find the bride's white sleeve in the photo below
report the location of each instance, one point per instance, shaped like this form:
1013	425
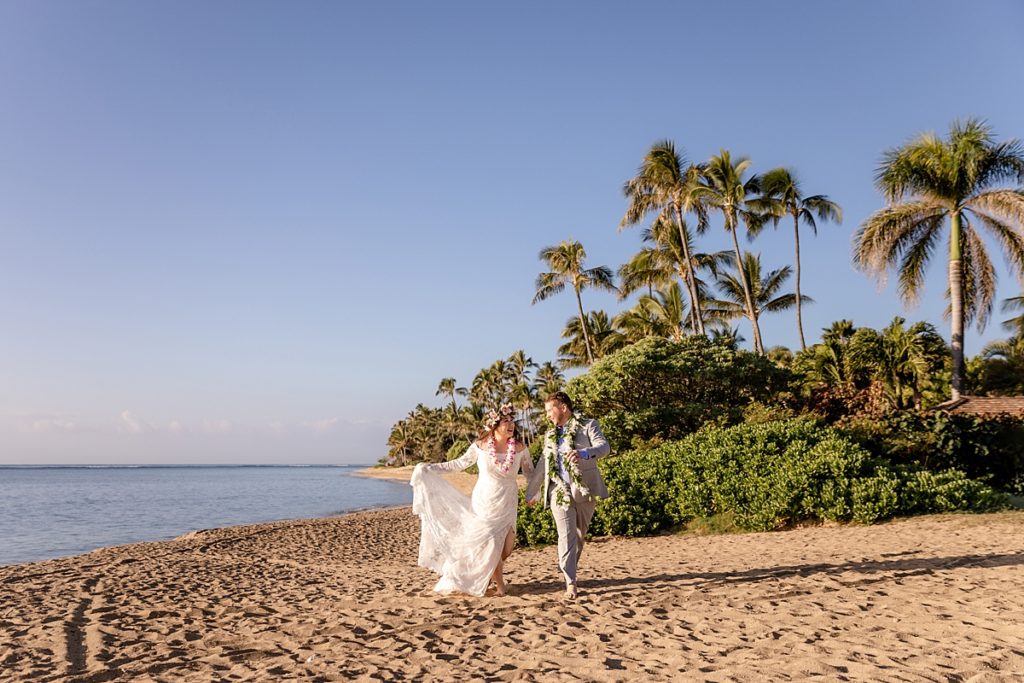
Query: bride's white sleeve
462	462
526	465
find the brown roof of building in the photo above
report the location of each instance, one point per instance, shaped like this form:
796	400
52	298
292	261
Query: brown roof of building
984	405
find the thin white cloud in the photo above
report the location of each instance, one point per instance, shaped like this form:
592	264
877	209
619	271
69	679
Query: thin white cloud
47	425
322	426
217	426
133	425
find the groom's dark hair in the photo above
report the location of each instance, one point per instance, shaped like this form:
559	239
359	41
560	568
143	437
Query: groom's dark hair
561	397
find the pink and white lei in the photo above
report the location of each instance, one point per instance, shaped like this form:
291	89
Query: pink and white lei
510	453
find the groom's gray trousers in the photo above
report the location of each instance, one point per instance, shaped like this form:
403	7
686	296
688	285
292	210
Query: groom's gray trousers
572	524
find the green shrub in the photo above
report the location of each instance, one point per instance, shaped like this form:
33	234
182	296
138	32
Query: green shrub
769	475
874	498
990	449
760	477
924	492
660	389
641	498
535	525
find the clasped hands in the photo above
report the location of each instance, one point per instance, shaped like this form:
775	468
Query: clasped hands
572	456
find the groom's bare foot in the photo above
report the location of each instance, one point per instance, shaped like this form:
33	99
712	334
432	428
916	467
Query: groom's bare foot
570	591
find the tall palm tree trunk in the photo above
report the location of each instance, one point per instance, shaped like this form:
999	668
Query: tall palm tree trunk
694	316
799	317
583	325
956	302
758	347
694	319
691	284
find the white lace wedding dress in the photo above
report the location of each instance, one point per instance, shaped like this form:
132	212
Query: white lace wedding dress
461	537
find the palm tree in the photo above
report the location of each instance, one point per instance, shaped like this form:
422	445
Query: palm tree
781	195
668	238
668	309
547	380
638	323
470	417
725	189
665	185
649	268
486	388
399	443
903	359
929	180
724	335
448	389
833	364
604	337
780	355
1003	370
520	365
763	292
566	263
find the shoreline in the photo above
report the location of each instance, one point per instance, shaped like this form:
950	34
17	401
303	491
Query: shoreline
341	598
462	481
40	538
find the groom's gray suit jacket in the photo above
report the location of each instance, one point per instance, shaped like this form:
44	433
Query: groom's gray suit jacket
589	436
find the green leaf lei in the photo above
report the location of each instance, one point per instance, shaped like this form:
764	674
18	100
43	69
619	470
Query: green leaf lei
562	493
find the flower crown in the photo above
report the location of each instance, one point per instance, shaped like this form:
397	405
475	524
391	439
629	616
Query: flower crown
505	412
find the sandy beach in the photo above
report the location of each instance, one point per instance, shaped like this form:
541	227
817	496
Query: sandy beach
926	599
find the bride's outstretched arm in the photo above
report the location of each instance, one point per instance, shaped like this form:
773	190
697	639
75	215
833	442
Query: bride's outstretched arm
462	462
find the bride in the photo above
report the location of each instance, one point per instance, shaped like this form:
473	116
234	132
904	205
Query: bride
463	538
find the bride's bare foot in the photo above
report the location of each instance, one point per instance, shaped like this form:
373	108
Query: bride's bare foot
498	579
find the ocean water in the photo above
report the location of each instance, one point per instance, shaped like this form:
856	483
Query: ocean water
48	512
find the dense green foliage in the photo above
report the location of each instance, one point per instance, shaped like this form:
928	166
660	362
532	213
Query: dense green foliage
989	449
659	389
766	476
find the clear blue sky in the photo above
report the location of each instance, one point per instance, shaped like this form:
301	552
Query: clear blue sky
262	232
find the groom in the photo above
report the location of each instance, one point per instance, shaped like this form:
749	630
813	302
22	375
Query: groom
567	472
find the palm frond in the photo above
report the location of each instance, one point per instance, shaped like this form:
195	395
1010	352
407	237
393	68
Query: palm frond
547	285
882	238
600	277
772	282
824	208
916	257
979	280
784	303
1006	204
1003	163
1012	242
